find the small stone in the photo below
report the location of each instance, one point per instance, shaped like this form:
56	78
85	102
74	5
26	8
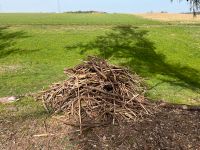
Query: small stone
10	99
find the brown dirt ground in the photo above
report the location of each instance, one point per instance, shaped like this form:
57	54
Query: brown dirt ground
184	18
167	129
29	134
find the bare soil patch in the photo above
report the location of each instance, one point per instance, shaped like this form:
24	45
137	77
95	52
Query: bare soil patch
33	134
184	18
167	129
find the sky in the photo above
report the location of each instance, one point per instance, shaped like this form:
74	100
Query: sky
118	6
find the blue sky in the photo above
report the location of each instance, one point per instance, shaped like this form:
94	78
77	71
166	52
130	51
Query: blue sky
121	6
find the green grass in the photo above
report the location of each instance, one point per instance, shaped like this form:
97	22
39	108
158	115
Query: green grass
73	19
22	110
35	48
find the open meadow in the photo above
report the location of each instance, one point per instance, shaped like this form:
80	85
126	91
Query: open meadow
35	49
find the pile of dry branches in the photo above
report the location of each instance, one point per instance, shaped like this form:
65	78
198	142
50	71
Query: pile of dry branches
97	93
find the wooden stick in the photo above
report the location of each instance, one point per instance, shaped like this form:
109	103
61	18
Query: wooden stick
79	102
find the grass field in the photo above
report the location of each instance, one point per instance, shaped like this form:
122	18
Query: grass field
35	48
72	19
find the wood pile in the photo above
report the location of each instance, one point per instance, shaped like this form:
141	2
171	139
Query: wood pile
96	93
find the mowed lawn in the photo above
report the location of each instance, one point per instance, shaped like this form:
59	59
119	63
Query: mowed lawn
35	48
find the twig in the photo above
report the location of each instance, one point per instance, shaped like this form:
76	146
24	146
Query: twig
79	101
43	135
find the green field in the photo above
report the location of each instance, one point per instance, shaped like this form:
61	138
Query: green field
72	19
35	48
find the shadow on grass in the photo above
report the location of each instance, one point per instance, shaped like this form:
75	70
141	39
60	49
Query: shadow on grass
129	46
8	42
